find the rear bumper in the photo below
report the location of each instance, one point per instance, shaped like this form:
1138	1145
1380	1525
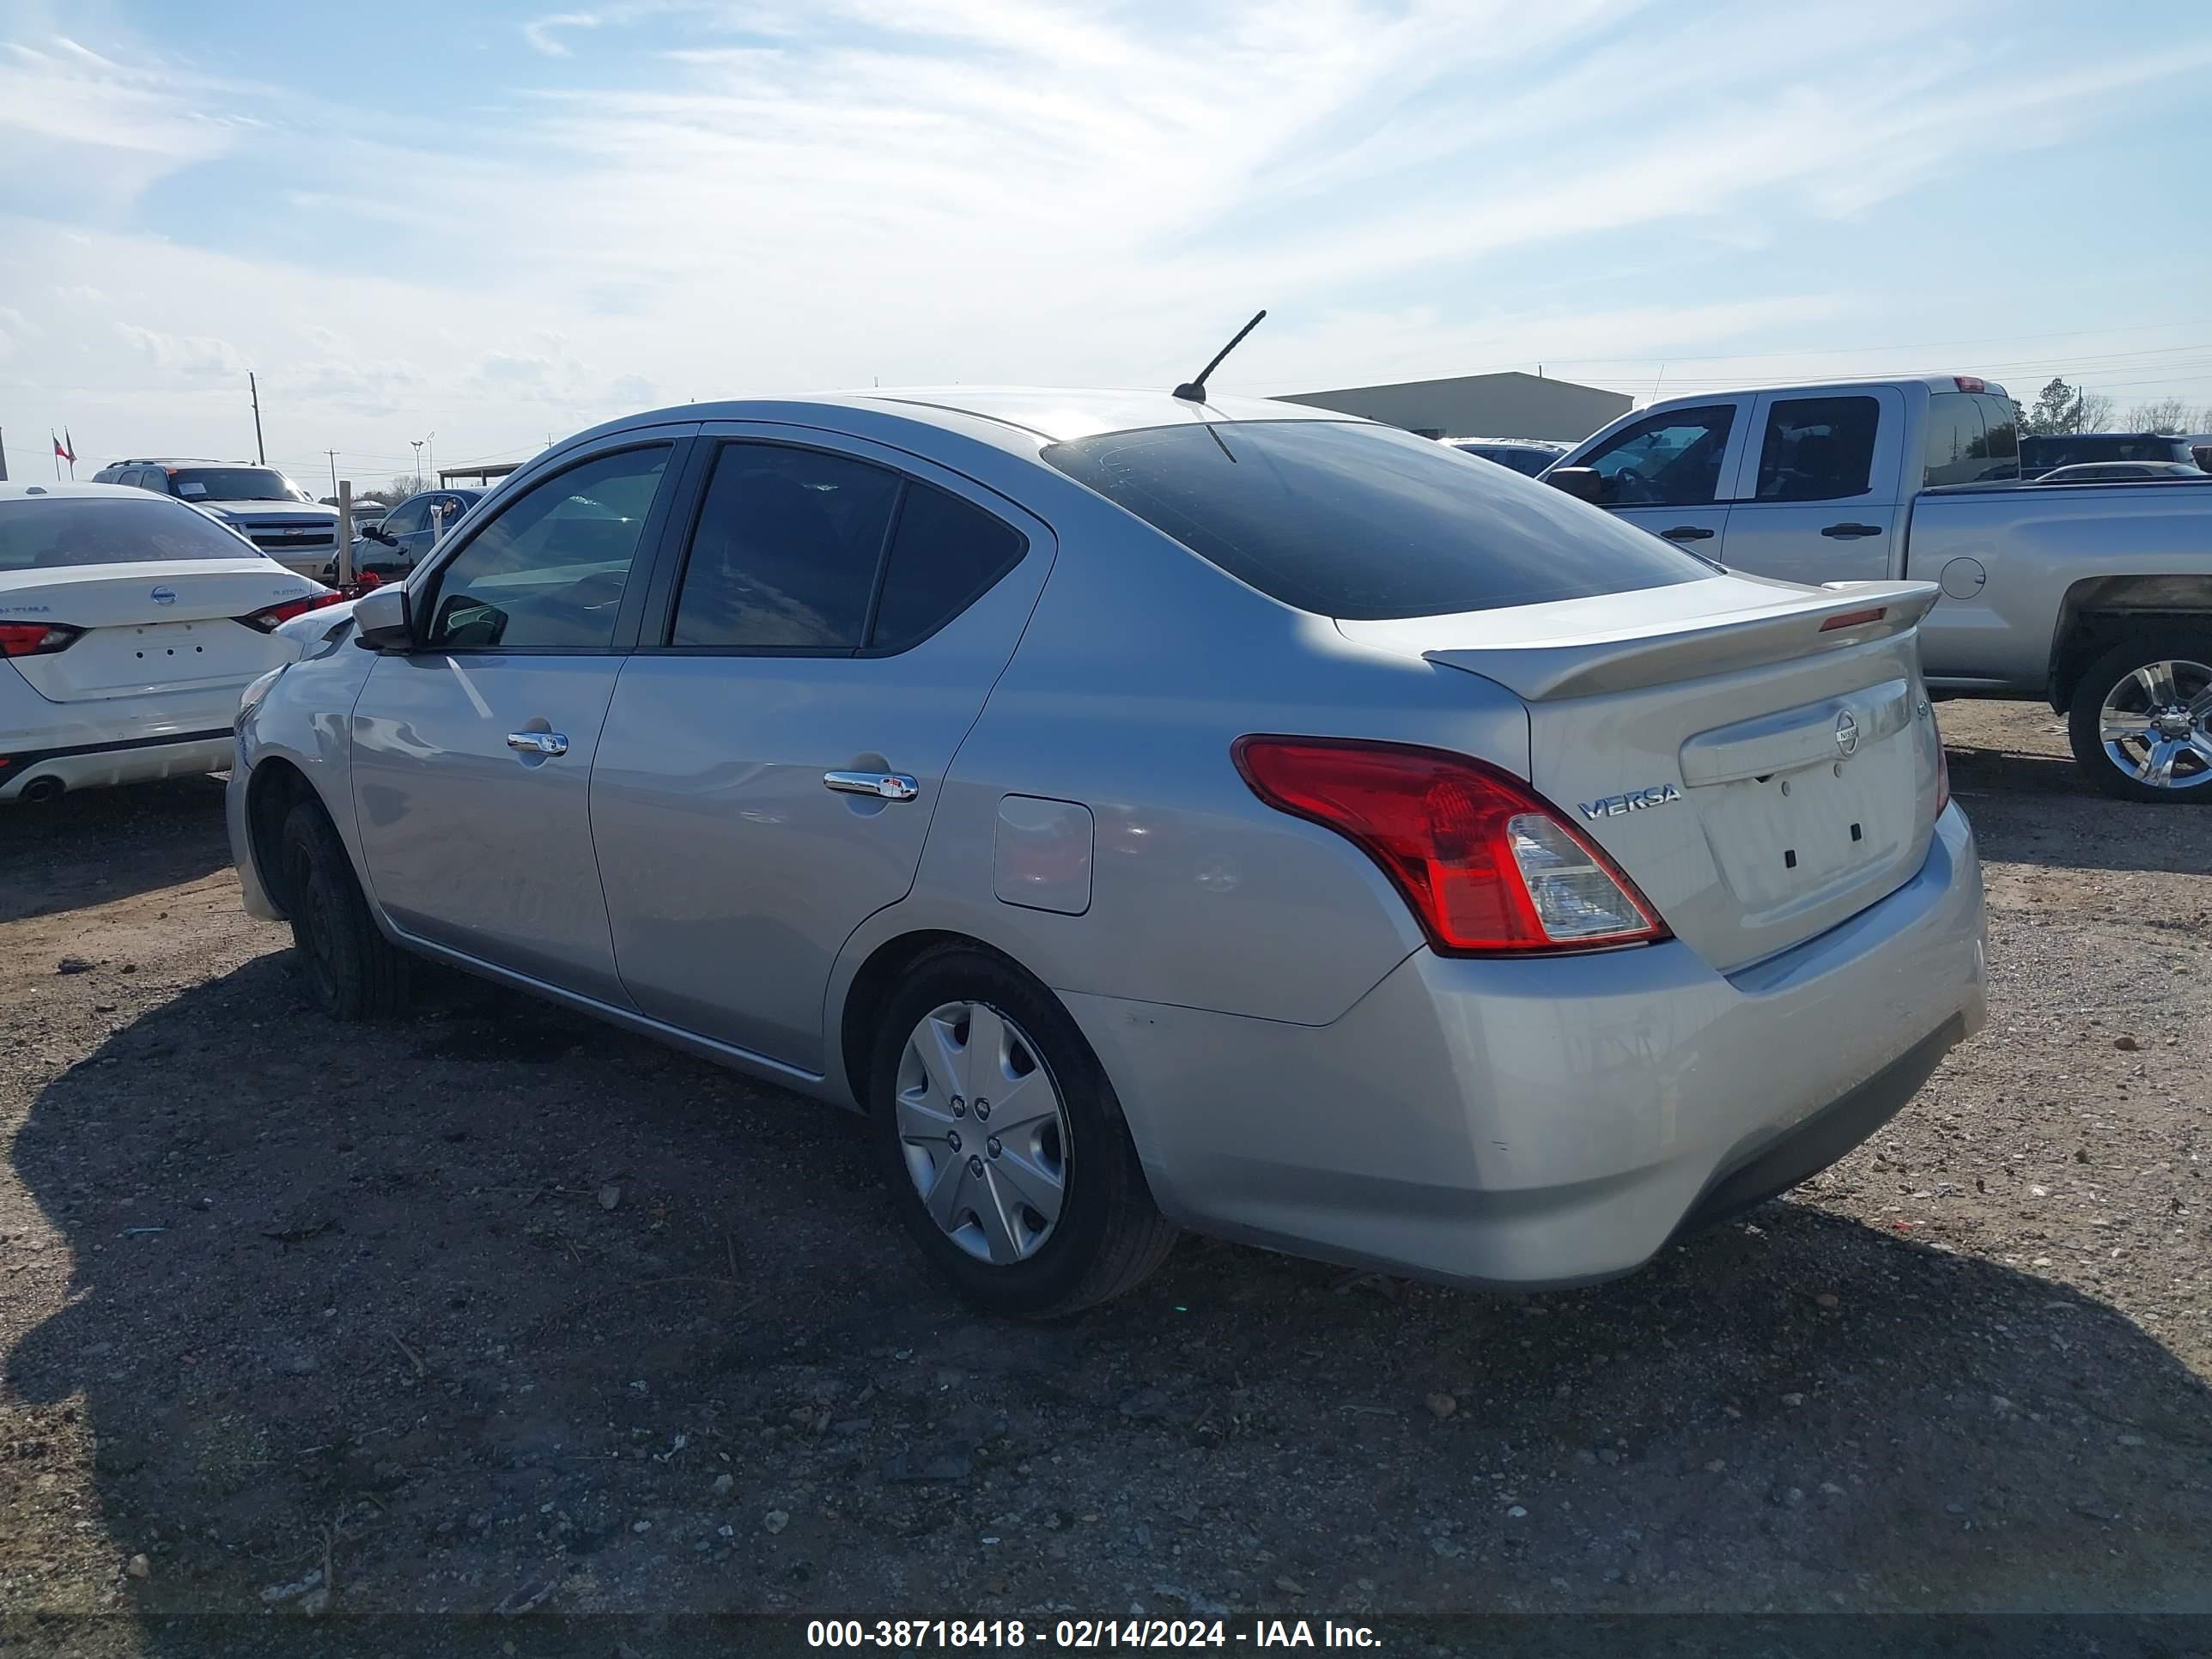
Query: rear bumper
1555	1122
138	760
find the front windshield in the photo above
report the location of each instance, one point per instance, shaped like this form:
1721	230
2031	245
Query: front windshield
235	484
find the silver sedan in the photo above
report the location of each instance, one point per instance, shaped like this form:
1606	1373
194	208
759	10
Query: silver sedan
1154	813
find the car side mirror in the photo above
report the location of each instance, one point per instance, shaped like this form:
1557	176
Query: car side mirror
382	621
1584	483
376	533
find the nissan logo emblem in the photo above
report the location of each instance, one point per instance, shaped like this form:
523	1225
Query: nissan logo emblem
1847	732
163	596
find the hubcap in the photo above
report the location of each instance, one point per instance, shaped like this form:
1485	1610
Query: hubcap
2156	725
1000	1209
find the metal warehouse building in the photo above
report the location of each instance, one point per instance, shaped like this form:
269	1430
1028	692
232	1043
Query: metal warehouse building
1511	406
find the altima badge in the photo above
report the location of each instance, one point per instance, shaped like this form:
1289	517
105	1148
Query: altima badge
1612	806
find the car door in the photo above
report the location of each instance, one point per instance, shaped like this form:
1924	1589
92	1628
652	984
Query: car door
472	753
1667	472
1818	498
776	744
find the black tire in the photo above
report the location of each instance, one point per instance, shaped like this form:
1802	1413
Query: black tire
2159	643
1109	1236
350	970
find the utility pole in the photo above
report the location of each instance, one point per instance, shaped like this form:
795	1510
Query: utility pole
333	454
421	482
253	389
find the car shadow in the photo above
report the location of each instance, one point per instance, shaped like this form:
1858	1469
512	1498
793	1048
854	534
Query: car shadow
95	846
626	1334
2040	810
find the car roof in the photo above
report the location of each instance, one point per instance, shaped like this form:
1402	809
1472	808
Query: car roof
1813	388
10	492
1053	414
1514	443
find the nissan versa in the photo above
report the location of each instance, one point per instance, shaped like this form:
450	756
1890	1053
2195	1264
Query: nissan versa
1154	812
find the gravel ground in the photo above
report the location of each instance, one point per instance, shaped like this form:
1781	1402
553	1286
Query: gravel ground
491	1309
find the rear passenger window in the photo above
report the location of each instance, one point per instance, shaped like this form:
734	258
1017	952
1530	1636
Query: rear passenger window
945	555
786	551
1817	449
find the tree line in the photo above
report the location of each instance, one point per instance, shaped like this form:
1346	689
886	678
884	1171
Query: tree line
2061	408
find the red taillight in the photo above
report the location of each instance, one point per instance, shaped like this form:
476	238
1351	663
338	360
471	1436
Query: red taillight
1486	865
1970	383
1853	618
35	639
266	620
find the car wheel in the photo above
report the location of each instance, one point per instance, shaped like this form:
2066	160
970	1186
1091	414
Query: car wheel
351	970
2142	717
1007	1152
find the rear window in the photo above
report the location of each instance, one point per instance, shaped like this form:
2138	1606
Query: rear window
65	531
1367	522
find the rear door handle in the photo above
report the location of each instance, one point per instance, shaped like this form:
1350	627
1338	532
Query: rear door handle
1851	532
537	743
884	786
1686	532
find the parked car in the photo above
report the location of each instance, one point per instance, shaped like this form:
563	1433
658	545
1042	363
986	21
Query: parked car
129	626
1526	456
1154	813
394	544
2124	471
2095	597
2039	454
269	509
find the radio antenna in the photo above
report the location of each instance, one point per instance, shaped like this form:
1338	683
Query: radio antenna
1194	391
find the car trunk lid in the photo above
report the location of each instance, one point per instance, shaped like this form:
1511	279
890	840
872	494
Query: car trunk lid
149	628
1758	758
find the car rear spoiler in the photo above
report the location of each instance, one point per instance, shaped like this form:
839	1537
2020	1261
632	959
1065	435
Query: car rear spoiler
1553	665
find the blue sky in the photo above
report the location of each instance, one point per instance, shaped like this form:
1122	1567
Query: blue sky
497	221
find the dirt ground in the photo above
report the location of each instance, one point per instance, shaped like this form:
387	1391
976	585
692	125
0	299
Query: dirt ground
494	1310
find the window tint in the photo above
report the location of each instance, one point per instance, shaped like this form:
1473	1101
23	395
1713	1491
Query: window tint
1364	522
1672	459
945	553
549	572
63	531
1817	449
2000	421
1957	448
786	551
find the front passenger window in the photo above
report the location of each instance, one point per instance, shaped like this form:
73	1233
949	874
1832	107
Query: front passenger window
549	572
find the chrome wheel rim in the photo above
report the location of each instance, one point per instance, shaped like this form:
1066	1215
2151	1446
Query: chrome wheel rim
983	1131
2156	725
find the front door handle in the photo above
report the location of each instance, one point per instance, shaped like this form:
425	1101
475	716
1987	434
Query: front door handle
537	743
884	786
1851	532
1686	532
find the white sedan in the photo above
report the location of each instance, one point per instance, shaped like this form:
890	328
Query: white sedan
128	623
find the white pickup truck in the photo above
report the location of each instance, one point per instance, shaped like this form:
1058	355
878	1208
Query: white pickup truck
2096	597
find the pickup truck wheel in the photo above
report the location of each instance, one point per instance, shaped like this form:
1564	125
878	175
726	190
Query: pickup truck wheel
2142	718
1004	1144
351	971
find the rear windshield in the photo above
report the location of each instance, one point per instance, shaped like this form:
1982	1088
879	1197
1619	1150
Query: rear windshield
235	484
1366	522
65	531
